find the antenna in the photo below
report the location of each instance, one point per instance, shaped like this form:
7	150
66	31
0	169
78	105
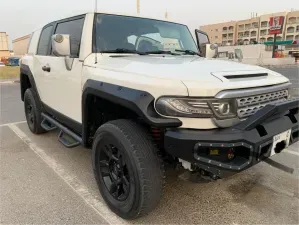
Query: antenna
95	30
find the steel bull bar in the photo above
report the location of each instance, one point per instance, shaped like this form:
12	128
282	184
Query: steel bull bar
227	151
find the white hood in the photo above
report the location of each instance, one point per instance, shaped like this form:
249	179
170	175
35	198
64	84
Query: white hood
193	71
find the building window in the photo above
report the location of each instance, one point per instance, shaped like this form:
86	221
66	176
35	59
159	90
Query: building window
216	29
264	23
290	30
216	36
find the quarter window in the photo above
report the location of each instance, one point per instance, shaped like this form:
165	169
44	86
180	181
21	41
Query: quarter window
44	41
74	29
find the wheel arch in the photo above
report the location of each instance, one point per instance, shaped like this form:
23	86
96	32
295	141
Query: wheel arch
26	80
129	102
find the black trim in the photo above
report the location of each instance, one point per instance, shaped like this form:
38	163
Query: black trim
246	76
140	102
25	71
274	119
197	41
64	120
49	43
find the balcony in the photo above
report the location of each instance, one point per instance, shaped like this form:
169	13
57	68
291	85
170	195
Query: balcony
264	32
293	20
262	40
241	28
290	37
247	26
264	24
255	25
253	34
290	29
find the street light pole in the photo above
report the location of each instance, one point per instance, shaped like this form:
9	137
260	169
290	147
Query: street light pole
138	6
274	46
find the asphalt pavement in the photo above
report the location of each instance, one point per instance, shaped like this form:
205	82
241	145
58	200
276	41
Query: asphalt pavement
43	182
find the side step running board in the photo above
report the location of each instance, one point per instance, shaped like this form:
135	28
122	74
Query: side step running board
47	125
67	137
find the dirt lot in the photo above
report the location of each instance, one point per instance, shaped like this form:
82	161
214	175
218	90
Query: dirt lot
9	72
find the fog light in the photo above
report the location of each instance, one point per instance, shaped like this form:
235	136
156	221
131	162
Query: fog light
214	152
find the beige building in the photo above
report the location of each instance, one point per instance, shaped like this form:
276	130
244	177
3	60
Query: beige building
4	50
248	30
292	26
264	27
20	45
221	33
254	29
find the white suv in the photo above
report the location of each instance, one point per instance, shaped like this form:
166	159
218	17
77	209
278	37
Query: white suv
138	91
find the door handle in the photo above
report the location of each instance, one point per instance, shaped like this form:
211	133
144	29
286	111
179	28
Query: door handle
46	68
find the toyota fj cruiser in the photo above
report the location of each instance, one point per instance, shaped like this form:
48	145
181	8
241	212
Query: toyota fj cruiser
138	91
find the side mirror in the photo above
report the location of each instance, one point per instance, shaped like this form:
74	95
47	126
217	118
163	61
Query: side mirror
211	51
203	42
61	45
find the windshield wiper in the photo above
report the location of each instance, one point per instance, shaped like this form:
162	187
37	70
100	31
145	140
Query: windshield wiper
161	52
123	50
188	52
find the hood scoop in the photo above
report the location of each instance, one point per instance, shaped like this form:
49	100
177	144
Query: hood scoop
246	76
227	76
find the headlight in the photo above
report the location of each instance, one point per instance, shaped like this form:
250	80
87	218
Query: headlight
196	108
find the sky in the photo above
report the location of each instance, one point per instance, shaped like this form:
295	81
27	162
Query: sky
21	17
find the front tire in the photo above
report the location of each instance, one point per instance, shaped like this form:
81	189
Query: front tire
33	112
127	168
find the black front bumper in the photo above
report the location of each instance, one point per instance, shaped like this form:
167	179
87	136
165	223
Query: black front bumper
251	140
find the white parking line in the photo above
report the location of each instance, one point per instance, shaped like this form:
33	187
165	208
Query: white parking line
71	180
291	152
15	123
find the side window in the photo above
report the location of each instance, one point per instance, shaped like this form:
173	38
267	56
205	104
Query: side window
44	41
74	29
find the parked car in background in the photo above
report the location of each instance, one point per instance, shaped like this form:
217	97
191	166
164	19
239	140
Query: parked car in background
2	64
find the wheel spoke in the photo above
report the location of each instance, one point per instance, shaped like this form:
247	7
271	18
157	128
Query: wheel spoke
114	158
114	172
107	151
104	163
113	190
126	189
105	171
125	180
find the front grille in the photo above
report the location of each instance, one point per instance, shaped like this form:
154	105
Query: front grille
250	105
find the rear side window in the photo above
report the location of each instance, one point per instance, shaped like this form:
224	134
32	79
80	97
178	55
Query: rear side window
74	29
44	41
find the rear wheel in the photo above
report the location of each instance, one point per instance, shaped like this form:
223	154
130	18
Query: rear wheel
33	112
127	168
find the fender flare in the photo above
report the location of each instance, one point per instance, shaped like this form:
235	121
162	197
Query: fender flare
25	71
140	102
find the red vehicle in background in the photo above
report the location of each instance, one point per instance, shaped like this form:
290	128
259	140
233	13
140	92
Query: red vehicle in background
4	60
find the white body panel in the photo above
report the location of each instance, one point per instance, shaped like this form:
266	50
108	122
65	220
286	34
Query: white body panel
163	75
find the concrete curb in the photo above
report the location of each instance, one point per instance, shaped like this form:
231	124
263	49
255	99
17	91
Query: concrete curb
9	81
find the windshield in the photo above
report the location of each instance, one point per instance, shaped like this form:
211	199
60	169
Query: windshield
114	33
